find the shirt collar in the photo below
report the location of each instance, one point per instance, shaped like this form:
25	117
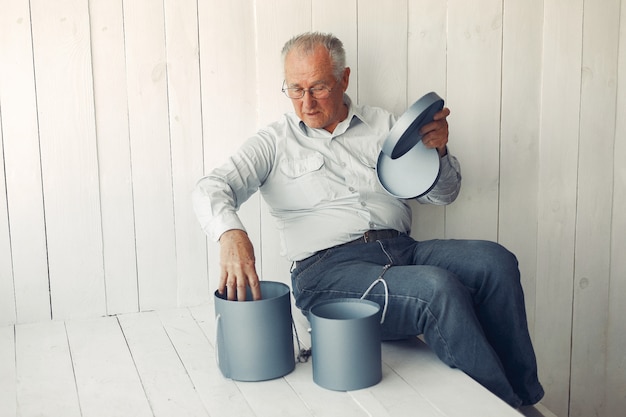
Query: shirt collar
354	116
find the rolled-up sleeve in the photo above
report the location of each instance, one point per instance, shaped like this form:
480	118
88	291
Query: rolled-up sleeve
448	185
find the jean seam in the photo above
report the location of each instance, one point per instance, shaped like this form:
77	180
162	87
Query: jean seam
433	317
442	339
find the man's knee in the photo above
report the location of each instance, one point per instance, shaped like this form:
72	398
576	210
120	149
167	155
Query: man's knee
442	284
494	260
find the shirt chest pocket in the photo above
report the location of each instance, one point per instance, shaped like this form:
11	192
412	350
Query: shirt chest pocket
296	168
299	183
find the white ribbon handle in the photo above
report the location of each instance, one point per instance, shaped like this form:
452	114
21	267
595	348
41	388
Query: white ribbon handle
380	279
219	339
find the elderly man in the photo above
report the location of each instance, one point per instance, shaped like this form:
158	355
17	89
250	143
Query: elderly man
315	168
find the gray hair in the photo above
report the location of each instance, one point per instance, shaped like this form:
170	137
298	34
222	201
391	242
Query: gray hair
307	42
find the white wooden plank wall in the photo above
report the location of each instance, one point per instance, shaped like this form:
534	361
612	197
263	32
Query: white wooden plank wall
7	291
427	65
595	201
558	153
474	91
521	67
114	155
26	255
110	111
185	119
69	160
616	327
229	102
144	28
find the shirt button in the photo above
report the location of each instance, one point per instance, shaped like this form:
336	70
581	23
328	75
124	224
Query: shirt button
351	189
363	203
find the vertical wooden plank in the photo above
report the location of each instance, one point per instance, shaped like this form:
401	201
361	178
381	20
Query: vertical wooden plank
273	30
228	76
45	378
519	166
229	102
382	34
558	158
340	19
594	203
7	288
616	325
107	382
22	164
116	192
272	33
144	28
8	377
427	72
166	382
185	117
474	77
63	73
427	61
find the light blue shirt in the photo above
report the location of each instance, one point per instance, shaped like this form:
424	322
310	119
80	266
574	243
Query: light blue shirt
321	187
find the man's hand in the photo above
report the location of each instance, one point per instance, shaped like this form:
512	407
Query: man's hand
435	133
237	266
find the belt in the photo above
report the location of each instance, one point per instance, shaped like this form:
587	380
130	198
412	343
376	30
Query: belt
374	235
369	236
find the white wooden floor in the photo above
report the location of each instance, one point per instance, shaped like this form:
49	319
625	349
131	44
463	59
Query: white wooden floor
163	364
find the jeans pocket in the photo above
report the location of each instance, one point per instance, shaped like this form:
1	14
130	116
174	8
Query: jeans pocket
304	276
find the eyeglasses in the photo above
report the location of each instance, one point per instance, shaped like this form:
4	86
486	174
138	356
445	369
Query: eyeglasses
321	92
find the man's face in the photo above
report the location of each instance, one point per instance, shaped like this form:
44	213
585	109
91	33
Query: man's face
315	70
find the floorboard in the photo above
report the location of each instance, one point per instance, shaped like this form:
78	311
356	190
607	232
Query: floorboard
161	364
166	382
448	390
267	398
107	381
45	375
7	371
220	396
394	397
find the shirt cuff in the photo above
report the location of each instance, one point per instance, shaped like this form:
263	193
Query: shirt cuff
223	223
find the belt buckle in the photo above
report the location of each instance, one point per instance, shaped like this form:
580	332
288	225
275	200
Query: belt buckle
366	237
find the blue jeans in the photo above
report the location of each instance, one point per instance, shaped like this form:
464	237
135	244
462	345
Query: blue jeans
464	296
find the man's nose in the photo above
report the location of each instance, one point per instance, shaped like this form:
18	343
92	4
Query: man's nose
308	100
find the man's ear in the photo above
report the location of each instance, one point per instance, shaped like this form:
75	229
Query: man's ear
345	79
